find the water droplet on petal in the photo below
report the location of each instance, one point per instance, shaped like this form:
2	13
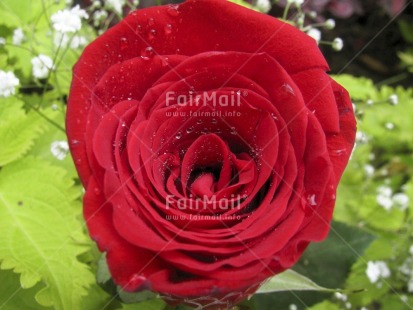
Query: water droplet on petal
199	121
311	200
123	43
178	135
214	121
340	152
233	131
165	61
151	22
147	53
287	87
274	116
190	129
168	29
151	34
172	10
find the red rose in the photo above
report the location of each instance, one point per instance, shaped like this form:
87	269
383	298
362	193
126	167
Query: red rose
210	142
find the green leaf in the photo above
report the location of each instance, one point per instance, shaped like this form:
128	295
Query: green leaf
154	304
15	13
291	280
98	299
41	232
326	263
382	249
13	297
360	88
325	305
131	298
406	29
18	130
378	115
42	147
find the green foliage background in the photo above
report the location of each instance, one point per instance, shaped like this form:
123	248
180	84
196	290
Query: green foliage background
47	260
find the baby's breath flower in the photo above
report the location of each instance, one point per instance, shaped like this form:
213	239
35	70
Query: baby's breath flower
401	200
68	20
315	34
99	16
263	5
62	39
330	23
369	170
42	64
115	5
59	149
18	36
384	198
337	44
96	4
312	14
389	126
394	99
8	83
377	270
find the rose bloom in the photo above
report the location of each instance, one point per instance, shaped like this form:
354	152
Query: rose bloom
210	142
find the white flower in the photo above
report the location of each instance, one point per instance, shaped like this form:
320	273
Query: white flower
2	41
99	16
292	307
62	39
78	41
389	126
330	23
340	296
337	44
411	250
393	99
42	64
68	20
59	149
369	170
263	5
315	34
383	197
410	286
377	270
115	5
385	190
18	36
384	201
361	137
8	83
401	200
